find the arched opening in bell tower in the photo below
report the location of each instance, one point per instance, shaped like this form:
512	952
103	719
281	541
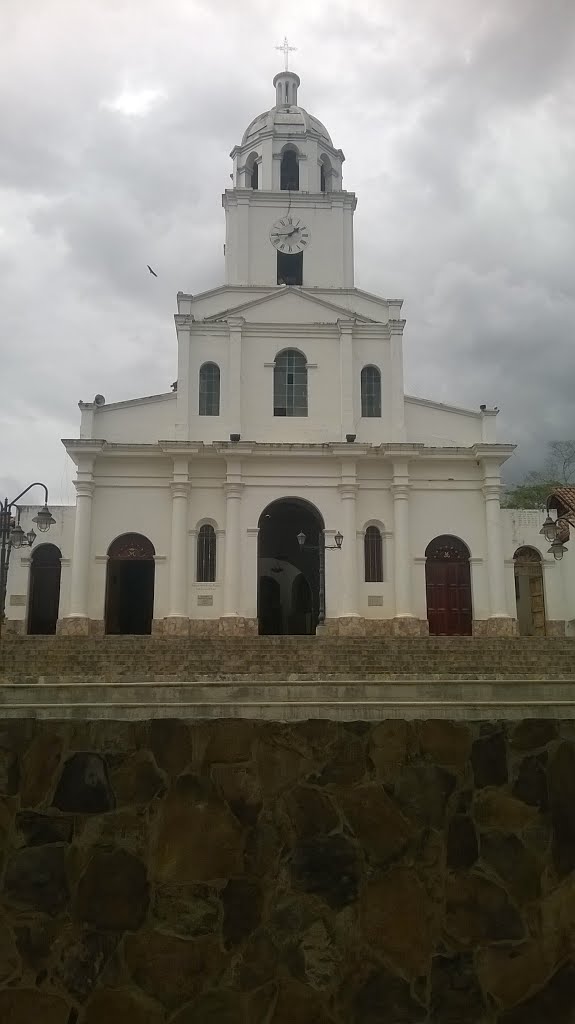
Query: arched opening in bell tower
252	171
325	174
289	171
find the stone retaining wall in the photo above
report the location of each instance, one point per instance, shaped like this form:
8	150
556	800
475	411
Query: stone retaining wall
237	872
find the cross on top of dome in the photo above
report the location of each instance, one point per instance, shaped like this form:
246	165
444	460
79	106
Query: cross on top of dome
286	49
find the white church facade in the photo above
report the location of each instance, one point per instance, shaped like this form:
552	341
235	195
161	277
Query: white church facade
288	484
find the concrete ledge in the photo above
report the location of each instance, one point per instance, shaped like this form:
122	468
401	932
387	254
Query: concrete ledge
353	700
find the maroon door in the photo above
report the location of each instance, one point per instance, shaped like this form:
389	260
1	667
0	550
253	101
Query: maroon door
448	587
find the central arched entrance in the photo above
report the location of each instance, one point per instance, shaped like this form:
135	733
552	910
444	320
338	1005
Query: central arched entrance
130	585
448	587
288	575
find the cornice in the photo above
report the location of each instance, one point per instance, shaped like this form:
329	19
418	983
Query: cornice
428	403
386	451
299	200
493	453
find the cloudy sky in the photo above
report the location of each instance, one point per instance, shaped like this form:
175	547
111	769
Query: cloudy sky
116	121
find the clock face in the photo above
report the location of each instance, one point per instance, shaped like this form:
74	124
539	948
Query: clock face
289	235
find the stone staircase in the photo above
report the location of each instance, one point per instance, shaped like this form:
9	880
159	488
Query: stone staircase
269	659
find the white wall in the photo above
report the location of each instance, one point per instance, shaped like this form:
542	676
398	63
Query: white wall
141	421
251	259
439	426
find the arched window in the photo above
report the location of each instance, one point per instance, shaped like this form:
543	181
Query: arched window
373	555
252	171
325	175
209	390
290	383
289	173
206	561
370	391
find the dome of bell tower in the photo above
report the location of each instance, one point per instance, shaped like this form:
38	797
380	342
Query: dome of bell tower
287	127
286	117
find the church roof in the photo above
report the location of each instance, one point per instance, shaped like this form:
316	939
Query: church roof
565	498
285	120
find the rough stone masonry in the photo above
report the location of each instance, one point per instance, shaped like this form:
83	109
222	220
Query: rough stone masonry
172	872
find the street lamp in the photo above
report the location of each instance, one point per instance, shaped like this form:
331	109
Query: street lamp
553	529
12	535
321	549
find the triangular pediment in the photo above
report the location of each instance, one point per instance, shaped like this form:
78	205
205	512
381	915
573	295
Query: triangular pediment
289	305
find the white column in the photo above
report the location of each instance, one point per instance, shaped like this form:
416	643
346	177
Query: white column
235	325
303	165
347	381
276	171
79	583
397	394
266	165
495	563
178	581
401	547
348	554
232	562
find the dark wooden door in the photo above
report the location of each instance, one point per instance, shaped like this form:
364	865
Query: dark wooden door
448	586
44	599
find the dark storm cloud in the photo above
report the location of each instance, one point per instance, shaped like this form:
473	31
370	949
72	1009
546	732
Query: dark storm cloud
117	123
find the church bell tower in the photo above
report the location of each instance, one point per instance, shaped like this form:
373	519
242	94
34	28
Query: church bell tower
288	219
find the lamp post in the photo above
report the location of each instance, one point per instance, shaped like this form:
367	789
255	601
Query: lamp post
12	535
553	528
321	549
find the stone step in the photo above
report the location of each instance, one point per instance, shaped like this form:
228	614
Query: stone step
290	700
149	658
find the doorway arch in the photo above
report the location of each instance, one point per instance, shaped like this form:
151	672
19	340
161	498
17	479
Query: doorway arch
44	600
130	585
288	575
448	587
529	592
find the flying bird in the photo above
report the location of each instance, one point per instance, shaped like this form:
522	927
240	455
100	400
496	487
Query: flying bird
151	271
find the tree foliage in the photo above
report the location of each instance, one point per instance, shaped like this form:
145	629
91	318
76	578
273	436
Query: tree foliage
558	471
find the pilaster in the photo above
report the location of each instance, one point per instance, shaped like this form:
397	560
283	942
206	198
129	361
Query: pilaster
346	377
348	578
177	621
233	489
401	547
77	621
397	393
235	326
494	552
